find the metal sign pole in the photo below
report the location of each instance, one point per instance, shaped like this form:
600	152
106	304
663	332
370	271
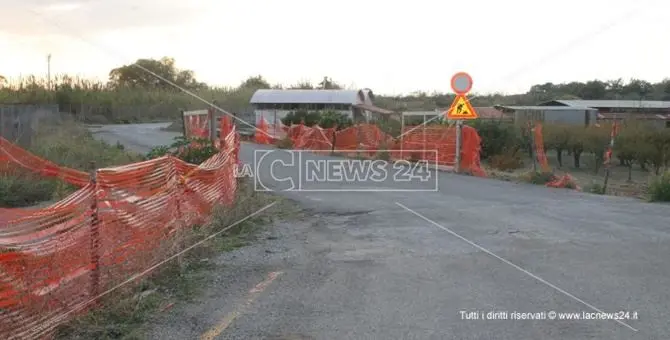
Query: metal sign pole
457	166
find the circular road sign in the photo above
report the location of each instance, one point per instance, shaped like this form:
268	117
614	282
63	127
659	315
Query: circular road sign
461	83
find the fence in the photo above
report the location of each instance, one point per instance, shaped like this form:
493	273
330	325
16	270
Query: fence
457	147
18	122
57	261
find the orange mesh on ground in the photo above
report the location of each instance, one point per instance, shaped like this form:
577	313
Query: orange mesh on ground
54	261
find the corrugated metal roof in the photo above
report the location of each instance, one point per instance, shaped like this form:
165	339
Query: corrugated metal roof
490	113
641	116
373	108
631	104
306	97
545	108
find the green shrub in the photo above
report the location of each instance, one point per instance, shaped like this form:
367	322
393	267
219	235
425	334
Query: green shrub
507	161
329	119
190	150
497	137
22	190
300	116
659	188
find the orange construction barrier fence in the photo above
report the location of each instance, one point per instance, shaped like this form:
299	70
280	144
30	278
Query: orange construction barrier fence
433	144
56	262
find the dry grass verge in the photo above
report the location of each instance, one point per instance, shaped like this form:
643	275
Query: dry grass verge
124	313
66	144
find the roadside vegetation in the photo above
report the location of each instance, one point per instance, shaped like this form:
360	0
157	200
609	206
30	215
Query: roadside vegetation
639	165
64	143
125	313
132	95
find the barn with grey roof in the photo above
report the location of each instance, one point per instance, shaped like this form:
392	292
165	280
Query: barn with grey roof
273	105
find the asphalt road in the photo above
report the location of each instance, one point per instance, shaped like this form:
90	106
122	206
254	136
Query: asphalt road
409	265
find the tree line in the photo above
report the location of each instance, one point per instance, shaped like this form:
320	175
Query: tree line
150	84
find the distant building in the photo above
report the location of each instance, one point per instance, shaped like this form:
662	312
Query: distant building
483	113
551	114
653	110
273	105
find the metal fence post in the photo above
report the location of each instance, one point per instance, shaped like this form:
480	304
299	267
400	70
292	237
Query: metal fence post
183	122
459	126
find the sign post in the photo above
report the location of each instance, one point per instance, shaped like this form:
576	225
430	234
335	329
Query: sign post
460	110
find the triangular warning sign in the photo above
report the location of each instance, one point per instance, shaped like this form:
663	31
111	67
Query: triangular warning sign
461	109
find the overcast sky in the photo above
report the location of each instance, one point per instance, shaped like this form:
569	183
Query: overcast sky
389	46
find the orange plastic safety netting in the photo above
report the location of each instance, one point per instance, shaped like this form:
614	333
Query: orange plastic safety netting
196	123
13	157
55	261
434	144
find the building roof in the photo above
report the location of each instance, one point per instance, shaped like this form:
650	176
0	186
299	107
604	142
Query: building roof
623	104
544	108
374	109
490	113
641	116
309	96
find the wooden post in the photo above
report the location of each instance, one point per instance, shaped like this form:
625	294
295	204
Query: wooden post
183	122
609	151
459	126
212	125
95	237
533	154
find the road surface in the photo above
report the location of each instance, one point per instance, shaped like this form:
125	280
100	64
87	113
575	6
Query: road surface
414	265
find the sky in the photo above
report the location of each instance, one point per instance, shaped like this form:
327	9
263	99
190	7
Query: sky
391	47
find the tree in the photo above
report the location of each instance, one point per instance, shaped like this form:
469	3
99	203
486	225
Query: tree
3	81
303	85
594	89
638	89
330	119
557	137
257	82
595	141
329	84
153	74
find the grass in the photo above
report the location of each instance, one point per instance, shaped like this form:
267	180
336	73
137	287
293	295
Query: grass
66	144
125	314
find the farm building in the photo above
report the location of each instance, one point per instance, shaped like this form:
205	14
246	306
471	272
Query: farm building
483	113
273	105
554	114
652	110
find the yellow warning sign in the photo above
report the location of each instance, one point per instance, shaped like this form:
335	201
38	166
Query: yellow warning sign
461	109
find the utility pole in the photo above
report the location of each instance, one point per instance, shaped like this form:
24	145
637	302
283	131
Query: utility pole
49	71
